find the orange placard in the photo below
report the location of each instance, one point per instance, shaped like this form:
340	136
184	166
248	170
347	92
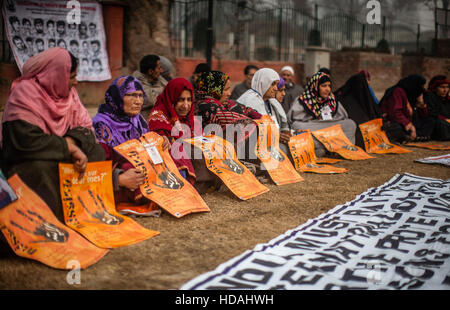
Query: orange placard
268	151
221	159
90	210
33	232
302	151
325	160
164	184
430	146
376	140
335	141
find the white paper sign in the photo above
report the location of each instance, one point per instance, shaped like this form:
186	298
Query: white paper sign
34	26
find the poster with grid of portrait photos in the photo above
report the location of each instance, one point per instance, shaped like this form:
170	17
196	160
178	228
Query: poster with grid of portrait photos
34	26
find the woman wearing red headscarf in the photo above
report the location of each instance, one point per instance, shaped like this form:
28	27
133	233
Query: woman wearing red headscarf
437	98
173	117
45	123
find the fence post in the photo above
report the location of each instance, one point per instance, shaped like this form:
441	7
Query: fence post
210	34
363	35
280	28
418	38
316	16
186	48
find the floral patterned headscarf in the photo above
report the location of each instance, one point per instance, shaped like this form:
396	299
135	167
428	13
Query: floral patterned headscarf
211	84
311	100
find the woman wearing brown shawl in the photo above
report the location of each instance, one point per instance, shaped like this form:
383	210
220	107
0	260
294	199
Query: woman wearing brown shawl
45	123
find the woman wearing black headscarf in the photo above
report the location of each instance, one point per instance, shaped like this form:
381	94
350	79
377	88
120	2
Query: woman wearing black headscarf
357	99
404	111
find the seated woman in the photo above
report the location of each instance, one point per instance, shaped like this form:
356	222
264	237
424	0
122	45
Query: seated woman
359	103
264	88
45	123
437	98
317	108
212	104
173	117
404	111
368	79
117	121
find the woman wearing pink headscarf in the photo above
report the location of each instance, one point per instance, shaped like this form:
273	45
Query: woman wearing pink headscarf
45	123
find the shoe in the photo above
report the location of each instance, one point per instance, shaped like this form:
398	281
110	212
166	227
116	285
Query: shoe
150	209
250	166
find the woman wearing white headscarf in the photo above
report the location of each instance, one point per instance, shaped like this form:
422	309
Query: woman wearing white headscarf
258	97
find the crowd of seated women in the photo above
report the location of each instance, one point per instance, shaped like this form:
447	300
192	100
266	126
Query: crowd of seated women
45	123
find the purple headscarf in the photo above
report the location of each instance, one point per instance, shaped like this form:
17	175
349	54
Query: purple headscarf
281	83
112	126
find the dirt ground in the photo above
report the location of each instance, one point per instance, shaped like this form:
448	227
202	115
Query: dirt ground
198	243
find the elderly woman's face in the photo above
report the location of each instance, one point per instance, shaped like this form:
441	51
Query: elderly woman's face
281	93
442	90
184	103
272	91
133	102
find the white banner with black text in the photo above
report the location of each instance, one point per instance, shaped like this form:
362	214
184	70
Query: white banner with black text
395	236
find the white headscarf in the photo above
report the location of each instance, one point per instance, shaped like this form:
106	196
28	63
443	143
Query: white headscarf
261	82
288	68
263	79
253	97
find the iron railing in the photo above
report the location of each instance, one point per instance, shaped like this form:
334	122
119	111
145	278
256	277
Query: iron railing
282	33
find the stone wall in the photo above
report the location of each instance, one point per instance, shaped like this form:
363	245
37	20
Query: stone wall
385	69
147	31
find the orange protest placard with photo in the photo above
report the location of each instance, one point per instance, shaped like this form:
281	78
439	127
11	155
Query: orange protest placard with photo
376	140
268	151
302	151
32	231
221	159
89	207
335	141
164	184
430	146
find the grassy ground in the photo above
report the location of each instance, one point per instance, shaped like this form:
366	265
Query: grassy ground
198	243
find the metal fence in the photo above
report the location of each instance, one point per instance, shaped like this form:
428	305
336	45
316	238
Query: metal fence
282	33
5	50
442	18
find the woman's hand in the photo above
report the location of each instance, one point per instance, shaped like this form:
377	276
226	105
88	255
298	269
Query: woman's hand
166	143
131	179
285	136
420	102
79	159
412	131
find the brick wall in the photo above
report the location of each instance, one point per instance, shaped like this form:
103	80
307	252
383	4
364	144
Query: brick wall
443	47
426	66
235	68
385	69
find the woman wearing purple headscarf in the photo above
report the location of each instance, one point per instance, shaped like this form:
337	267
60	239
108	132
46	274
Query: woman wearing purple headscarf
117	121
